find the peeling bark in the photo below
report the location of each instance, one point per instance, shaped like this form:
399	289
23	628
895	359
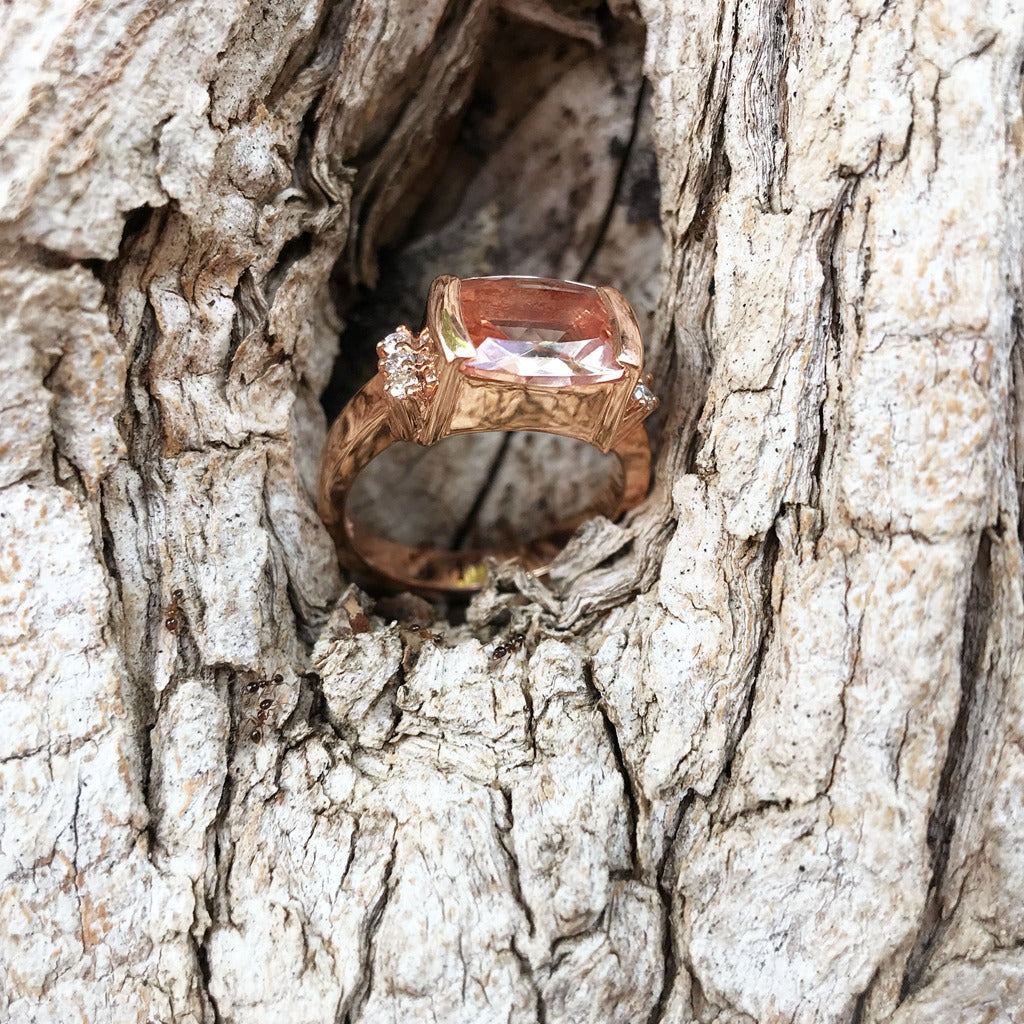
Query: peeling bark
761	755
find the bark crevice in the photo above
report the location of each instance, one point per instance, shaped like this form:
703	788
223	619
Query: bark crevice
958	761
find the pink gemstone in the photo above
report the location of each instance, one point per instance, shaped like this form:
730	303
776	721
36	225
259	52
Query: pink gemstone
534	329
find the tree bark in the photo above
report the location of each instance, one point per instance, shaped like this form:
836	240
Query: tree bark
761	754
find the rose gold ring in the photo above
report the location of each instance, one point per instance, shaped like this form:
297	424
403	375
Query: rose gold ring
497	354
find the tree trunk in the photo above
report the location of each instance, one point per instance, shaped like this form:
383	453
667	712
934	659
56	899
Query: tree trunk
761	754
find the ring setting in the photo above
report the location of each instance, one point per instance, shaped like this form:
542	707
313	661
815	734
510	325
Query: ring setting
407	362
496	354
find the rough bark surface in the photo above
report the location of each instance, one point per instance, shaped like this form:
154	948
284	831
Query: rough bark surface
761	755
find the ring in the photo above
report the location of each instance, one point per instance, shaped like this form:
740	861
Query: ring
497	354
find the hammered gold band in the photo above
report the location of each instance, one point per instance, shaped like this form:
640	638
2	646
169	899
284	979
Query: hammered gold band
423	393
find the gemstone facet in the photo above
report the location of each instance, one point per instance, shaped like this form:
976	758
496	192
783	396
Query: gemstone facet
545	332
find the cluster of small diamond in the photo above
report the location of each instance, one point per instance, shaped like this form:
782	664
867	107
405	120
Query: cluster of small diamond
645	397
407	363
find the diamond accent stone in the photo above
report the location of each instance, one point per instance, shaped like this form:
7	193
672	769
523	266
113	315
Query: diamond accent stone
395	341
407	362
546	332
645	398
402	381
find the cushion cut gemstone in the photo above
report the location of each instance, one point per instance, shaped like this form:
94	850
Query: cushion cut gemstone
533	329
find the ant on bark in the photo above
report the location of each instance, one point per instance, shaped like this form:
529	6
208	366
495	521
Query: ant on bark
507	647
424	634
260	717
171	619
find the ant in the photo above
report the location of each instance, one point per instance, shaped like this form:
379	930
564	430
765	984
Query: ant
173	611
260	719
414	635
437	639
264	706
507	647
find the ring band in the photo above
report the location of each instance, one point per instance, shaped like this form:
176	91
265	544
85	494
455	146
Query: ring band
497	354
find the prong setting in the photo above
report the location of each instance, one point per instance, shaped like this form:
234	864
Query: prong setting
408	364
643	398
